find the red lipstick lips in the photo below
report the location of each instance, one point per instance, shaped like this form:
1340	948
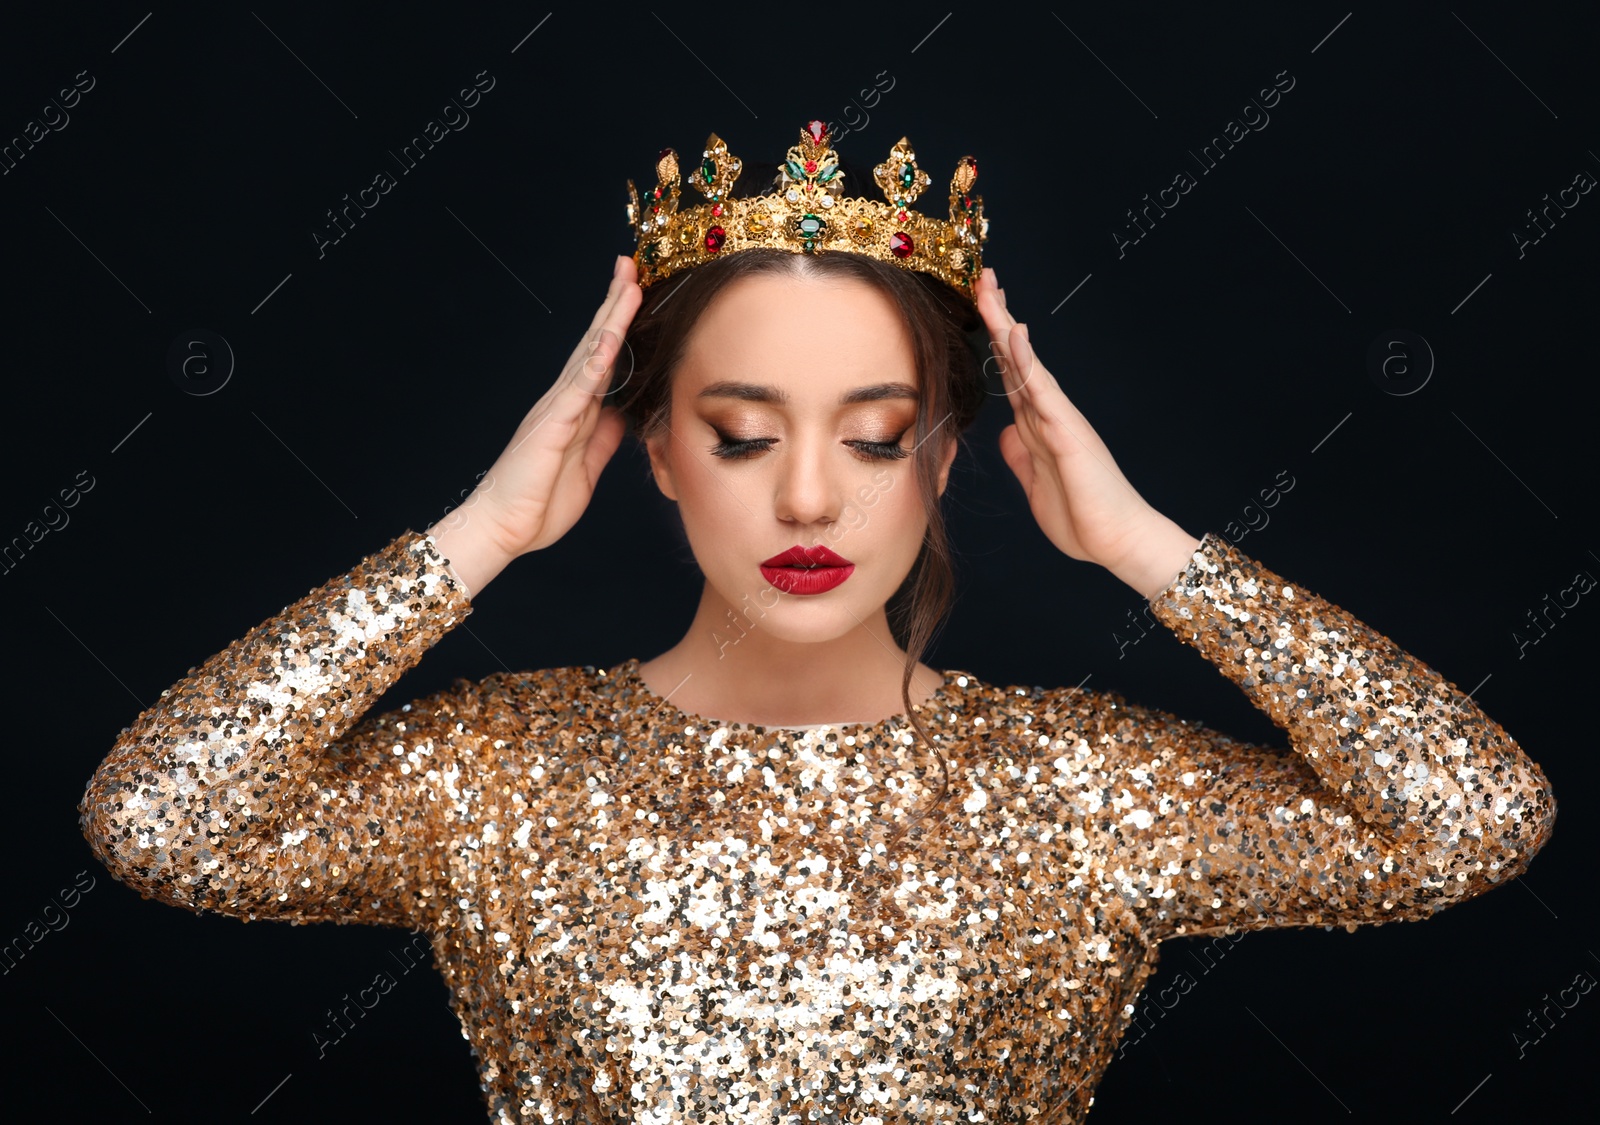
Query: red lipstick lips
806	570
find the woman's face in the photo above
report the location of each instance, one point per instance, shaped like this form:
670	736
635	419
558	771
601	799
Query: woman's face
818	374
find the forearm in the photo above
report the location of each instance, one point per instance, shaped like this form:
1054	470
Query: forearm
1455	803
205	799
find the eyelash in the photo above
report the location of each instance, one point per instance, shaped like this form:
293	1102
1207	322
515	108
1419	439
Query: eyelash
734	450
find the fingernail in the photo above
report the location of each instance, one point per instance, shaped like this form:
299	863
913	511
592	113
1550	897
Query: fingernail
616	266
1023	328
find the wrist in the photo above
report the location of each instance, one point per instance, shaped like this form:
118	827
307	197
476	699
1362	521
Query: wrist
469	546
1161	551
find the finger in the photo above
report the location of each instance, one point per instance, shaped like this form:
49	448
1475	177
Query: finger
593	374
577	388
1015	370
608	434
997	336
622	297
1019	359
617	292
1016	455
624	305
591	364
992	304
598	368
613	288
1021	352
989	281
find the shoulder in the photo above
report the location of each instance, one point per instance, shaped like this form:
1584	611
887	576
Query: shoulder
1061	727
577	697
992	708
498	707
530	699
993	722
507	725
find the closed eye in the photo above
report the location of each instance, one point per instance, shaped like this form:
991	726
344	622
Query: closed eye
735	449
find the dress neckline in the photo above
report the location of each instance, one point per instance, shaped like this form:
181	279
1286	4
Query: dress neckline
628	673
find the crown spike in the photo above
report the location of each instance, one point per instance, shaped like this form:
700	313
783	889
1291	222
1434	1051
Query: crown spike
966	174
966	209
667	167
718	169
663	202
899	177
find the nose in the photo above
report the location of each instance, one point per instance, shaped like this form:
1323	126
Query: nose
810	484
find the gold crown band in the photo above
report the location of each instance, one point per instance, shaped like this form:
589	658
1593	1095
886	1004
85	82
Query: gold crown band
809	213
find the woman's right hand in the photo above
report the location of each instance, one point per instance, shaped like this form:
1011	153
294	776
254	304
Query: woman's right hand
539	486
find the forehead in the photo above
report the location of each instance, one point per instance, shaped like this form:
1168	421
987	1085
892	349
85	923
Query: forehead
799	331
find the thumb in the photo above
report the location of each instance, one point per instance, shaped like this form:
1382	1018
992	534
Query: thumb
609	429
1017	456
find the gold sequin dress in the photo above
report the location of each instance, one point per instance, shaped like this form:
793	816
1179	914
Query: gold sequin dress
648	916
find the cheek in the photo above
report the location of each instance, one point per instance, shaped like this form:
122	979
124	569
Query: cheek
710	505
898	508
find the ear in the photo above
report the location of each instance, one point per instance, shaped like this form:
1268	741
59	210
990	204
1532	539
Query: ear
656	447
948	455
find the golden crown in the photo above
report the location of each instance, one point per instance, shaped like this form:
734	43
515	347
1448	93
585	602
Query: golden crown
809	212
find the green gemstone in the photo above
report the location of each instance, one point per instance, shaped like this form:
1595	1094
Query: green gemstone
908	175
650	249
810	226
828	173
708	169
796	172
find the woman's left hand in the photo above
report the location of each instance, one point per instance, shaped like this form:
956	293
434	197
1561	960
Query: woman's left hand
1079	497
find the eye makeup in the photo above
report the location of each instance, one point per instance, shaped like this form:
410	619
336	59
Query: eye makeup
739	449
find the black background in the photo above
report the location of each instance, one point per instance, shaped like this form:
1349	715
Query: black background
370	387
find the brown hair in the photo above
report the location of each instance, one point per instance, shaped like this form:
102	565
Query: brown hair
947	339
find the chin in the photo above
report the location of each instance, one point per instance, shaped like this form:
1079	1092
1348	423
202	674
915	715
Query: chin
819	627
799	618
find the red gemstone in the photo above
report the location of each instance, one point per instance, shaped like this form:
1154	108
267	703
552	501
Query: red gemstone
818	130
902	216
716	209
811	166
714	239
900	244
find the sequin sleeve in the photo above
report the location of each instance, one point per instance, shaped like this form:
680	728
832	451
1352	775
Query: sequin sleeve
255	788
1398	795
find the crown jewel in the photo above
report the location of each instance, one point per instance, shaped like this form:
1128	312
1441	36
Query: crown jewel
808	213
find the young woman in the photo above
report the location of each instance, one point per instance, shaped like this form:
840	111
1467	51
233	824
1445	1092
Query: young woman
784	871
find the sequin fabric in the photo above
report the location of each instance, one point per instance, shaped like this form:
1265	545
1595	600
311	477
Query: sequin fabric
648	916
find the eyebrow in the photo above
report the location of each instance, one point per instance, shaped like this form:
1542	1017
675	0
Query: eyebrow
760	392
